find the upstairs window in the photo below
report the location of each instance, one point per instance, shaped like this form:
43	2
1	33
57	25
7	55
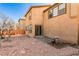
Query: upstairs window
55	11
61	9
50	14
58	10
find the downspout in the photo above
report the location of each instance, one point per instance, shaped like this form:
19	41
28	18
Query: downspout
78	24
43	25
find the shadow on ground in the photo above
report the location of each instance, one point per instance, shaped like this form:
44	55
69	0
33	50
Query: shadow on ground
58	46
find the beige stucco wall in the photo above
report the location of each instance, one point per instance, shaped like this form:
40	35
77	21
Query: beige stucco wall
27	20
64	26
27	23
36	19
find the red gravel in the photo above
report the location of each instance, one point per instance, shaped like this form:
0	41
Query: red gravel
23	46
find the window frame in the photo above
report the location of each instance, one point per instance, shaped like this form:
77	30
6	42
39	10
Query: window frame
58	10
64	8
30	26
53	11
49	14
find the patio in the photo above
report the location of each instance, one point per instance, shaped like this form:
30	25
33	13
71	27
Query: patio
26	46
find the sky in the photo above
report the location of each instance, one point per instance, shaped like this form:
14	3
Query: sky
16	10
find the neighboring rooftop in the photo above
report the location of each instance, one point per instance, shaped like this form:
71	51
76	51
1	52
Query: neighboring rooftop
21	19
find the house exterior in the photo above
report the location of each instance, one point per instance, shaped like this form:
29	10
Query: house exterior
34	20
62	20
20	27
21	23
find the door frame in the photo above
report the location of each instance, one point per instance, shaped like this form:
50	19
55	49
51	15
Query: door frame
37	29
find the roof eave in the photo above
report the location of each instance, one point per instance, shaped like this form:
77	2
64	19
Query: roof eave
50	7
35	7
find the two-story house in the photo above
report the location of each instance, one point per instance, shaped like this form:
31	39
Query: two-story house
60	20
34	20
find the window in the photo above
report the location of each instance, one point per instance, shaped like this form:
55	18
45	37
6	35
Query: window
30	28
50	14
58	10
55	11
61	9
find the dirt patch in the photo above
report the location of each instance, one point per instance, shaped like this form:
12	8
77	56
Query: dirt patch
23	46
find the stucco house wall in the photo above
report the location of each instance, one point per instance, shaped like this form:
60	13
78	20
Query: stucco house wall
63	26
36	18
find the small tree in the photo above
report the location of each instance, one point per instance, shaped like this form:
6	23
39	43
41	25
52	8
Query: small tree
6	24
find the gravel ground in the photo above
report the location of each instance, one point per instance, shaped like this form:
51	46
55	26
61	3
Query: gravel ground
24	46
